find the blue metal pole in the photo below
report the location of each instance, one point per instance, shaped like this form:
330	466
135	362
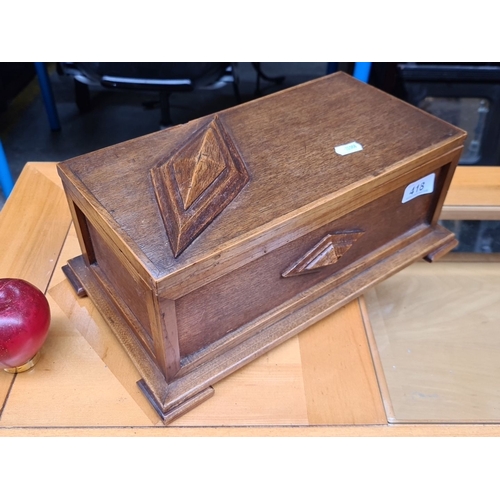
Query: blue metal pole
48	96
362	71
5	177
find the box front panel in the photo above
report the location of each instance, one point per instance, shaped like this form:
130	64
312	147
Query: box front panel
219	308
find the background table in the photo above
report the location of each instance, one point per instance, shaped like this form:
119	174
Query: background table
327	381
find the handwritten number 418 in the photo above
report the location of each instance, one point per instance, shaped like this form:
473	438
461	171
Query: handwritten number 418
418	188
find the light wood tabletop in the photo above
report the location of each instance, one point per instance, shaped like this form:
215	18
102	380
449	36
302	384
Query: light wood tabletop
417	356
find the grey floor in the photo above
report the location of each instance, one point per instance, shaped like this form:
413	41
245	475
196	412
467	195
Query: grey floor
118	115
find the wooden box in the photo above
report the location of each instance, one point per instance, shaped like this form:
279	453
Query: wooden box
207	244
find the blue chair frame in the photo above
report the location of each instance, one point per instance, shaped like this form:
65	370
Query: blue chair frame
6	181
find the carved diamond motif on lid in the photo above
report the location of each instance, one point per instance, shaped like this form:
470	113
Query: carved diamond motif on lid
200	164
325	253
197	182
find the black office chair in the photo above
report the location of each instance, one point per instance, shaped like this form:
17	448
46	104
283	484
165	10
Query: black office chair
165	78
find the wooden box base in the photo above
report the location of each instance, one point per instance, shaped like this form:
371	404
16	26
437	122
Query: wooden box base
172	400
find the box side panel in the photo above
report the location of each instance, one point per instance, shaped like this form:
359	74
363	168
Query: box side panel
152	321
131	292
211	312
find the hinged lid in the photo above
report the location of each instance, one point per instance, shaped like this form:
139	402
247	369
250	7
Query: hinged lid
203	198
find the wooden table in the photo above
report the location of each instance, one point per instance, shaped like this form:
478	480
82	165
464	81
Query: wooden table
330	380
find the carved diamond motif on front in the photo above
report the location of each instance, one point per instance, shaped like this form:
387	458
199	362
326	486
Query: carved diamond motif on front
196	183
325	253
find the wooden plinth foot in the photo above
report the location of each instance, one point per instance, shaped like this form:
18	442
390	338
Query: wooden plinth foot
177	411
442	250
74	281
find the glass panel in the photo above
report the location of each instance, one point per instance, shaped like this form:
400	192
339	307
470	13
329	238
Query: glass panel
468	113
436	332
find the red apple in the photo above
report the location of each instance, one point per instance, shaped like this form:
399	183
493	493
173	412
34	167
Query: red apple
24	321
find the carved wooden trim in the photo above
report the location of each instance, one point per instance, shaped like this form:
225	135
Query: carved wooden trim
325	253
197	182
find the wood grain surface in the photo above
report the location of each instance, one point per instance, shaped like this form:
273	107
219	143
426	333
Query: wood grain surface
335	393
33	224
475	195
319	431
85	384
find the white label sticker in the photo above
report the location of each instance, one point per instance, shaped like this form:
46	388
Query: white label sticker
347	149
420	187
